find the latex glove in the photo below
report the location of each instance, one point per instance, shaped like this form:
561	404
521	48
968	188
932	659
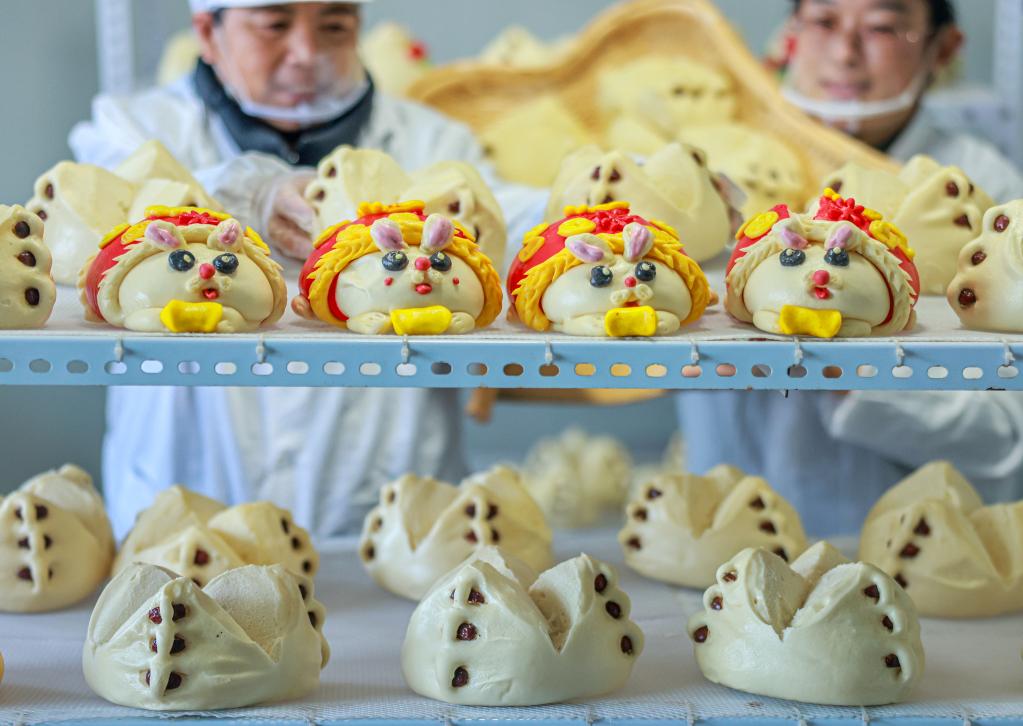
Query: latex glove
290	219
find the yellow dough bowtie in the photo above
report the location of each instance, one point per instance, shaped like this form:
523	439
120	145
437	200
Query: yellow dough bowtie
796	320
631	322
191	317
432	320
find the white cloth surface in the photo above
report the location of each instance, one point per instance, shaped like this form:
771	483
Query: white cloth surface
973	667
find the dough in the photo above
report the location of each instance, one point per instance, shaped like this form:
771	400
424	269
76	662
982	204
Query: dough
823	630
491	633
937	207
394	58
648	100
673	186
27	291
520	154
395	269
183	270
348	177
765	168
986	292
606	272
681	527
839	271
424	528
199	538
954	556
81	203
56	544
577	478
516	47
159	642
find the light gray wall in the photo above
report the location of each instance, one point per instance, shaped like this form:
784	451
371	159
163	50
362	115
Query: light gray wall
47	53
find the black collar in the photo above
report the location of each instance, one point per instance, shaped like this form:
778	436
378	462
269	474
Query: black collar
300	148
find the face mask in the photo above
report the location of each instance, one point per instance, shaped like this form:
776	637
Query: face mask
334	96
850	114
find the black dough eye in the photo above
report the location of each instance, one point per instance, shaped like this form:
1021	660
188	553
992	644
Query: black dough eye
646	272
837	257
792	258
440	262
395	261
601	276
226	264
181	260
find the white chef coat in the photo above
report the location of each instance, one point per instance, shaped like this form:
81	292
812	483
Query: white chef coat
833	455
322	453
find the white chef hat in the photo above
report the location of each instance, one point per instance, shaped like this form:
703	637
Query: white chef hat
206	6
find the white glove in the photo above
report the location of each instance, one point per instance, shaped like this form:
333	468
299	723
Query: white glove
290	221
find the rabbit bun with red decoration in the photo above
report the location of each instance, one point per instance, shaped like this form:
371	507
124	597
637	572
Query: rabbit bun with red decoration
186	270
839	271
603	271
395	269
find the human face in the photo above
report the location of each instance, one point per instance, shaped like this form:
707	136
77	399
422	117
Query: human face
865	50
283	55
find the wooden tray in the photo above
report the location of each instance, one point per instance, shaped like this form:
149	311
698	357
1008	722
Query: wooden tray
477	94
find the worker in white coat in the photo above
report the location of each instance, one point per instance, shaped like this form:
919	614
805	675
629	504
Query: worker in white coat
278	87
863	65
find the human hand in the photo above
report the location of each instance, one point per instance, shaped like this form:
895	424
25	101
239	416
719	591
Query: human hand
291	223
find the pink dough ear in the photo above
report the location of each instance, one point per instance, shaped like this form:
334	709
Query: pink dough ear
387	235
839	239
226	236
792	239
638	241
162	234
438	231
586	247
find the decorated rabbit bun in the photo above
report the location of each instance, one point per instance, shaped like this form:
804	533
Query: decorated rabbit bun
823	630
681	527
953	555
185	270
396	270
160	642
937	207
423	528
841	271
492	633
603	271
673	186
986	292
56	544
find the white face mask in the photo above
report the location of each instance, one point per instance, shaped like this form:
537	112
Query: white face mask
850	114
334	96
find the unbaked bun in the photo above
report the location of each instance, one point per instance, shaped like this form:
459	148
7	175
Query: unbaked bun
199	538
681	527
954	556
56	544
423	528
823	630
492	633
159	642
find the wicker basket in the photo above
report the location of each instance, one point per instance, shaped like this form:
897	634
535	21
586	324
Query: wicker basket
478	94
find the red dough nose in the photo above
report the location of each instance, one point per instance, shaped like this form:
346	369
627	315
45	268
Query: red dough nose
821	277
630	281
206	271
422	263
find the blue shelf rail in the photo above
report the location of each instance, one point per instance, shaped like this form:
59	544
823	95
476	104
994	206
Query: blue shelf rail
524	362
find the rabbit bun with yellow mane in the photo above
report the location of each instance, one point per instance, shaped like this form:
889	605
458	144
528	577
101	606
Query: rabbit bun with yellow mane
604	271
394	269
